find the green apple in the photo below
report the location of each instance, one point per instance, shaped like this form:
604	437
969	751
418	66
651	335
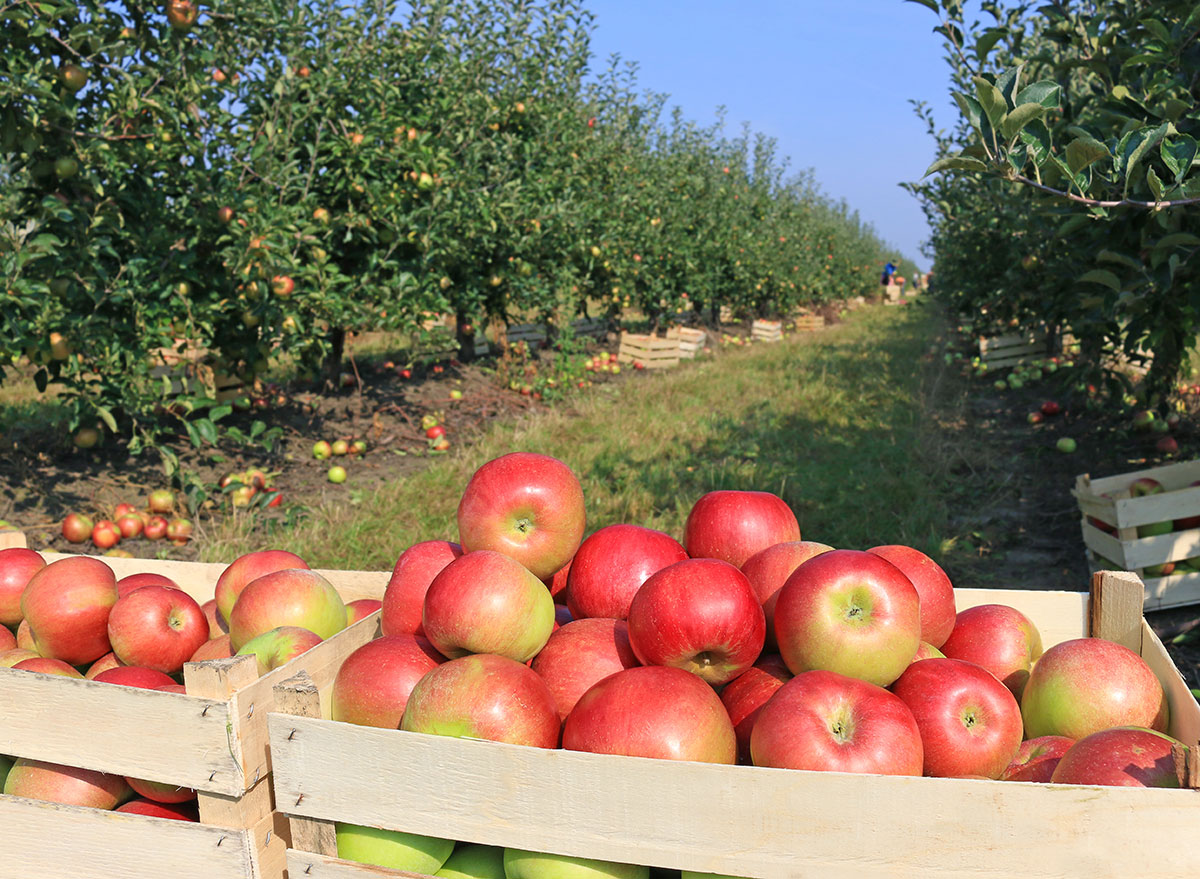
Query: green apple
322	450
336	475
392	848
472	861
535	865
1066	445
6	764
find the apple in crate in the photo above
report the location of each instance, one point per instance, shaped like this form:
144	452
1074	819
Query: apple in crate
745	695
527	506
1123	756
1085	685
934	587
824	721
67	604
557	583
279	646
10	658
174	811
1036	759
998	637
580	654
136	581
734	525
699	615
213	648
535	865
485	602
849	612
484	696
612	564
360	609
8	641
393	849
970	723
44	665
17	567
294	597
652	711
768	569
373	685
247	568
134	676
157	627
474	861
404	596
71	786
217	625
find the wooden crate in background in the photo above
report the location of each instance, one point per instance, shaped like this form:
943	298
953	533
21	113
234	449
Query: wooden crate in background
691	341
808	323
213	739
595	327
741	820
1013	349
651	351
1110	520
11	538
767	331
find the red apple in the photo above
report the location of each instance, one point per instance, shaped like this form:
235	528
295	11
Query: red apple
9	658
485	602
104	663
360	609
161	791
25	637
928	651
484	696
8	641
45	666
130	526
1122	756
175	811
286	598
157	627
612	564
373	685
745	695
250	567
217	626
849	612
136	581
69	785
17	567
734	525
823	721
970	723
558	583
161	501
1036	758
527	506
156	528
213	648
768	569
934	587
134	676
1085	685
76	528
278	647
404	597
66	605
580	654
105	534
652	711
699	615
998	637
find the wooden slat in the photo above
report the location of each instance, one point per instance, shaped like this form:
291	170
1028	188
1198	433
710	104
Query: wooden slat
51	841
1116	608
1173	476
1185	713
165	737
653	352
1177	590
1059	616
10	539
298	696
306	865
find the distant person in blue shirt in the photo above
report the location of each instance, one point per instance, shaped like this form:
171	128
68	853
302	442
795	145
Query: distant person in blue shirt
888	271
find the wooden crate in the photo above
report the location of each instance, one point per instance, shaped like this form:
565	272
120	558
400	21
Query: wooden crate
691	341
766	331
596	327
11	538
214	739
533	335
808	323
1107	500
651	351
725	314
1013	349
746	821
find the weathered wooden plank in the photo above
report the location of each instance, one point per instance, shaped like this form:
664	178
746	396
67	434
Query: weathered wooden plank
12	539
651	351
314	866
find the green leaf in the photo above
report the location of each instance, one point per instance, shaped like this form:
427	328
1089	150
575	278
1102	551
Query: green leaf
969	107
41	379
956	163
928	4
1019	118
1156	186
1007	82
107	417
1135	147
207	430
1073	225
1120	258
1044	92
1036	136
1102	276
1083	151
1178	153
1178	239
991	99
219	412
987	41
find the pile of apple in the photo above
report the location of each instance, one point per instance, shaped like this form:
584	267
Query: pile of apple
1147	486
324	449
435	433
74	619
742	644
126	521
243	487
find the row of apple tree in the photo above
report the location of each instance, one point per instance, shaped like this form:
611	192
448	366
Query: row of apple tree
1068	191
263	176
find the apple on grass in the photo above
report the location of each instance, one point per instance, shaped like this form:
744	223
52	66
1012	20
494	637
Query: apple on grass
484	696
1127	756
485	602
699	615
247	568
933	586
970	723
66	605
393	849
17	567
279	646
69	785
850	612
295	597
611	565
580	654
1085	685
473	861
768	569
404	596
1036	759
373	684
520	864
527	506
734	525
998	637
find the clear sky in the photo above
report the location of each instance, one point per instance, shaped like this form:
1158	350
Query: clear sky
830	80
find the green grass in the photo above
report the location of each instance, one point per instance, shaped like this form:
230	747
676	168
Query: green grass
837	423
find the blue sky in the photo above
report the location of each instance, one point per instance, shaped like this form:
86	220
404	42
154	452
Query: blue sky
830	80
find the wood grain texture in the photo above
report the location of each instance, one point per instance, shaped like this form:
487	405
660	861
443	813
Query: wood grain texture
1172	476
306	865
51	841
10	539
298	696
1116	608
